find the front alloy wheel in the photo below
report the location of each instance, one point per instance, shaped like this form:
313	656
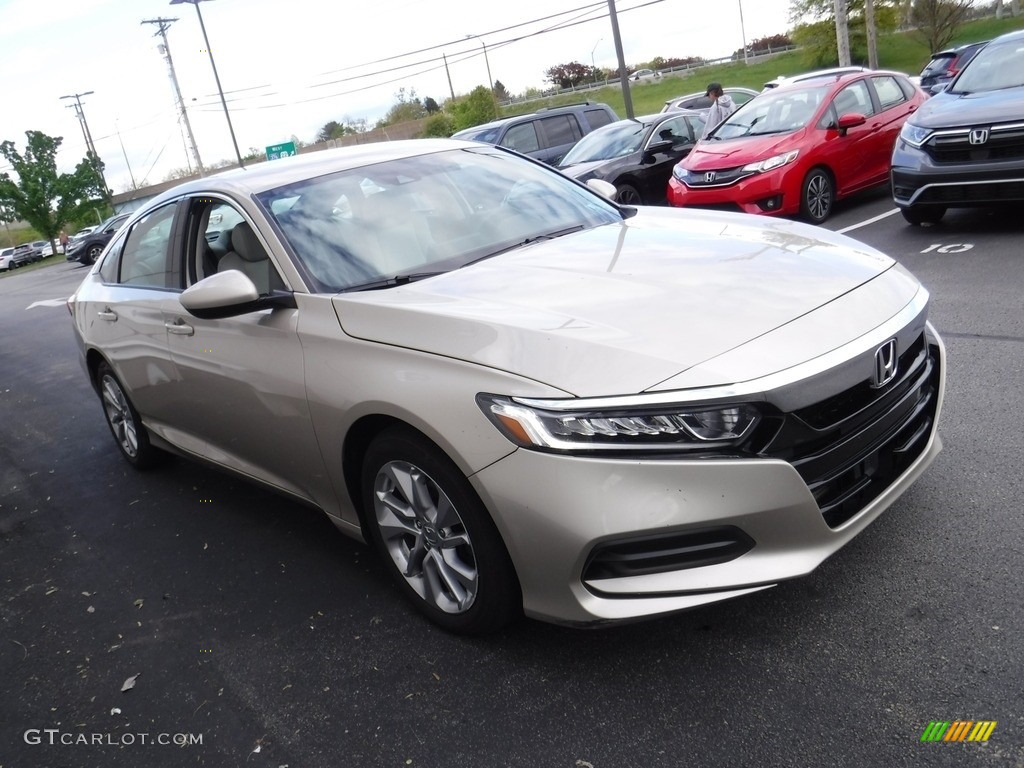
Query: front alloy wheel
432	529
627	194
817	196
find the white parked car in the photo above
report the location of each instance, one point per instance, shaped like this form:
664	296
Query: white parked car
526	397
7	259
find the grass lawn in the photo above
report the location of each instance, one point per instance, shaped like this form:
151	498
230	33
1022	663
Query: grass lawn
901	51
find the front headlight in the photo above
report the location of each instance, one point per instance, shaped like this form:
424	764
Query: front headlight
914	135
680	173
762	166
669	427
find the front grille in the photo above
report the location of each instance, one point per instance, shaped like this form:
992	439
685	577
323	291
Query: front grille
1003	143
721	178
852	446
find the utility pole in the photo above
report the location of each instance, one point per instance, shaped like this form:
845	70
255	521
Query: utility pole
869	21
162	26
623	74
216	77
842	33
449	76
743	35
94	156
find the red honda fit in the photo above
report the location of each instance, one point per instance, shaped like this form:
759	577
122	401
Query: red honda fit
799	148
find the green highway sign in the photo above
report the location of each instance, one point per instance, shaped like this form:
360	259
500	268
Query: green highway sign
287	149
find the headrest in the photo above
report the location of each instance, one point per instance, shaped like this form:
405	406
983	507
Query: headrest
245	243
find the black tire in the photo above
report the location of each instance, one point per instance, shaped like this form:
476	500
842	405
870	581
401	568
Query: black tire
440	545
125	425
817	196
627	194
917	215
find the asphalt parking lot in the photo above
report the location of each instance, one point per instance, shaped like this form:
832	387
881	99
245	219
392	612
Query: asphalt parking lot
187	607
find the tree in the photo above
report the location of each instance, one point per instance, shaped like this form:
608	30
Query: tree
817	34
407	108
501	92
431	106
438	126
937	21
567	75
42	197
476	108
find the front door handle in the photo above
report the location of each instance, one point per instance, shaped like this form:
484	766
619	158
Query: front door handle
107	314
179	328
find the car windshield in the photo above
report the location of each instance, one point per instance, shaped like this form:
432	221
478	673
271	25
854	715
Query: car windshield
615	140
399	220
777	111
995	67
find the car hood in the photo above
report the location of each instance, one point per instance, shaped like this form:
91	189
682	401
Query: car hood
623	307
951	110
711	154
592	169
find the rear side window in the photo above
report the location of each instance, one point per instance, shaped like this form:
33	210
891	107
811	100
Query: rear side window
561	129
889	92
597	118
522	138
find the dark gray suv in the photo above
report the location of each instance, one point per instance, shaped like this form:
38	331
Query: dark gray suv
546	134
965	146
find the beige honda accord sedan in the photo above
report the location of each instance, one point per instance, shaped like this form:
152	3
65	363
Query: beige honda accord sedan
526	398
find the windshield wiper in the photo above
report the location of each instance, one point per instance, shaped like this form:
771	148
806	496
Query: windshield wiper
528	241
391	282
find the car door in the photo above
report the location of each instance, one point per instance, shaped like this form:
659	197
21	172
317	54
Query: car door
240	400
850	153
669	142
125	304
559	133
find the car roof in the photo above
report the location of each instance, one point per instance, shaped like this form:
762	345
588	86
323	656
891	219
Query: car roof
545	112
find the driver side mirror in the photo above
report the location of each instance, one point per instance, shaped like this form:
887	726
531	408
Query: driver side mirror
850	120
229	294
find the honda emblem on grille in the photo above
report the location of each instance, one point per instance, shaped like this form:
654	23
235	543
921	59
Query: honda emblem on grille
885	364
978	136
709	177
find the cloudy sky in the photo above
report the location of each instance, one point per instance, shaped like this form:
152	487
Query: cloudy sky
287	67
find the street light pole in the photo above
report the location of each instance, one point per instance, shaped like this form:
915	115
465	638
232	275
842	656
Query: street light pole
743	33
216	77
490	80
593	66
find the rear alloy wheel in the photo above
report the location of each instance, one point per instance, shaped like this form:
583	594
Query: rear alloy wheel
922	214
125	425
435	534
627	194
817	196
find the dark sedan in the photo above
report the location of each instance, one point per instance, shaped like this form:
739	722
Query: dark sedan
91	246
636	155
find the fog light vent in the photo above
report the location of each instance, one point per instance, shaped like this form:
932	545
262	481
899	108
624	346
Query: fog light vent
668	552
770	203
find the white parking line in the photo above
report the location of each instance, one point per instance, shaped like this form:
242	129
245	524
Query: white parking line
47	303
872	220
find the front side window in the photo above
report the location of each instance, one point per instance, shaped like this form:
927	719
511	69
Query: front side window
145	258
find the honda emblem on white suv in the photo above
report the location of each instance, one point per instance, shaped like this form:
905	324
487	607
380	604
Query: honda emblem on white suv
978	136
885	364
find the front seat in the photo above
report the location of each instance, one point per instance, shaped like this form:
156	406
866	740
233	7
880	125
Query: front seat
248	257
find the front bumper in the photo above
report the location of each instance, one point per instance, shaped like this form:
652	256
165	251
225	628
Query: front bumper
558	514
773	193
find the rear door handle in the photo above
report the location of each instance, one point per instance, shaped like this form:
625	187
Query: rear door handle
107	314
179	328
